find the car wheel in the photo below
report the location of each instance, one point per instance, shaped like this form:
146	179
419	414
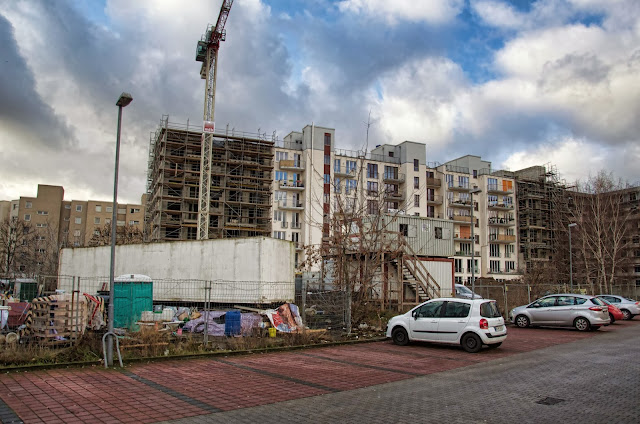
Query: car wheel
471	343
400	336
494	345
581	324
627	314
522	321
612	318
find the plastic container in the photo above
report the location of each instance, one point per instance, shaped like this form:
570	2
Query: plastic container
272	331
232	323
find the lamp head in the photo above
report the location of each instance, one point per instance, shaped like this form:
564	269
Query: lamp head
124	100
573	224
475	190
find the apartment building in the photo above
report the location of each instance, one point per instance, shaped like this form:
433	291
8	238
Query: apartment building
241	177
57	223
460	187
314	180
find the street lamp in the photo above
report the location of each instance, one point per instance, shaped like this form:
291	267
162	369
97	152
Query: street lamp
123	101
473	191
573	224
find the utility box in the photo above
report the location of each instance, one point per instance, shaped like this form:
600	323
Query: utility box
133	293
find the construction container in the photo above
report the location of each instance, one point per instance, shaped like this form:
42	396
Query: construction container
133	293
232	323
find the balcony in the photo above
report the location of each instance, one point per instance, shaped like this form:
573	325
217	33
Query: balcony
293	165
291	185
284	224
463	218
290	205
296	225
434	200
499	189
459	237
460	203
393	196
502	238
453	186
344	172
434	182
501	206
393	177
465	253
502	222
298	245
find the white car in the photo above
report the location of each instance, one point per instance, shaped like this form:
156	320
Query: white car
629	307
470	323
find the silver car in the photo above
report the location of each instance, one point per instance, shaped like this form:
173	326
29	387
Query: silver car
629	307
463	292
583	312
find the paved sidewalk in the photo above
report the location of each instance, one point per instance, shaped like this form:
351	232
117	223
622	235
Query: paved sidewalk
207	389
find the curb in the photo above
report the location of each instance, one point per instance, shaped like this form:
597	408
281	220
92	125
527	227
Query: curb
130	361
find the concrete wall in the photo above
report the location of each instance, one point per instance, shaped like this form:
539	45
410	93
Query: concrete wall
239	261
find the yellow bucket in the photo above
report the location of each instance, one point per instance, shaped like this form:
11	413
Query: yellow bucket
272	331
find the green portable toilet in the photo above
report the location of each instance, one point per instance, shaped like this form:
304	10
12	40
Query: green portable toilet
26	288
133	293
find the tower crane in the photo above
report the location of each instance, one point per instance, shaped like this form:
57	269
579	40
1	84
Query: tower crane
207	53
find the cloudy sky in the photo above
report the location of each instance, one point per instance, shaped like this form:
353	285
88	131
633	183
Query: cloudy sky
517	82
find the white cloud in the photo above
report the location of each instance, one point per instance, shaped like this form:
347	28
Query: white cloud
498	14
432	11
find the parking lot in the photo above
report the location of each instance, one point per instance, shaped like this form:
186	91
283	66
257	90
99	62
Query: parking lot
212	388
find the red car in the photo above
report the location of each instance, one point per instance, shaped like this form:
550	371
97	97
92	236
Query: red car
614	312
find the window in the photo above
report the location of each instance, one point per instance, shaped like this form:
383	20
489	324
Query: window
78	208
372	188
391	172
494	250
372	170
134	222
96	232
416	164
416	200
327	139
492	199
510	266
28	205
438	232
109	209
134	210
281	235
281	176
475	270
282	156
429	310
390	154
509	250
327	179
76	233
107	221
431	211
350	185
372	207
336	165
337	188
278	215
463	182
96	220
449	179
492	183
67	206
351	166
494	266
475	173
43	212
120	223
27	217
327	159
490	310
457	265
78	220
122	211
416	182
456	310
98	208
545	302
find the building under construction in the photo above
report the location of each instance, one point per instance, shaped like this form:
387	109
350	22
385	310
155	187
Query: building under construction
541	201
241	178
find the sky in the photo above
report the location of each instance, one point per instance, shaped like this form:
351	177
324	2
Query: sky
519	83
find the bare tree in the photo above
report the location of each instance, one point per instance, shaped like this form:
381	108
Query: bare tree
125	234
602	229
16	244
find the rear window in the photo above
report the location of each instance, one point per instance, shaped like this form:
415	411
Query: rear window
580	300
597	301
489	310
630	300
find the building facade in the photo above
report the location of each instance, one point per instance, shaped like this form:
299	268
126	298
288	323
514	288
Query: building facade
53	223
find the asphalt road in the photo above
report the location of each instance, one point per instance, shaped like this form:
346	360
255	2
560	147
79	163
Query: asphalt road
591	380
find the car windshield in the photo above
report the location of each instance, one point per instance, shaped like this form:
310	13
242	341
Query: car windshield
597	301
489	310
464	290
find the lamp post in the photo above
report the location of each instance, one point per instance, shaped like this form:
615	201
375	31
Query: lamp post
573	224
473	191
123	101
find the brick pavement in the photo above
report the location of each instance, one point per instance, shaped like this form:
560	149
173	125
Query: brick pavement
237	388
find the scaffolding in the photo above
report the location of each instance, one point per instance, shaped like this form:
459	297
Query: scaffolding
240	190
541	197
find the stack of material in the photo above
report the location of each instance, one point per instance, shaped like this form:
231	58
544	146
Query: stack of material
59	317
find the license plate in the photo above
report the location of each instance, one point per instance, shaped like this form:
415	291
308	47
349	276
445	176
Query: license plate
499	328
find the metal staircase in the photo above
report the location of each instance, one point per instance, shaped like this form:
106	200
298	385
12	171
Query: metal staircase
415	275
